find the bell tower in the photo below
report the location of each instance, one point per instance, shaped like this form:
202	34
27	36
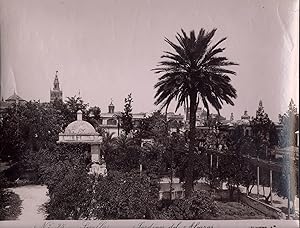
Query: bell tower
111	107
56	93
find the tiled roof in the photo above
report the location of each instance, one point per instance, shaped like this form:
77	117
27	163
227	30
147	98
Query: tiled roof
14	97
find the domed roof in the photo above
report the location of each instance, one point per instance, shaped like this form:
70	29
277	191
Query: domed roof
80	127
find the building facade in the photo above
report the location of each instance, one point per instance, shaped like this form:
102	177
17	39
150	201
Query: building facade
201	117
111	121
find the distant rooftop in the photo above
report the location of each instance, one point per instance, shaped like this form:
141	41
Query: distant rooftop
14	97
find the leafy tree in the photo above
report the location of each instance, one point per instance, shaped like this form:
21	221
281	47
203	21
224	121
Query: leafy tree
64	169
73	104
71	197
53	162
29	127
94	112
152	159
122	154
153	127
264	132
11	140
126	118
286	181
125	196
94	117
192	74
290	122
232	171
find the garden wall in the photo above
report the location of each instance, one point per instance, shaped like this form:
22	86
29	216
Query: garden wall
268	210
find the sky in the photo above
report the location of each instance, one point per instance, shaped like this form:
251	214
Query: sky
106	49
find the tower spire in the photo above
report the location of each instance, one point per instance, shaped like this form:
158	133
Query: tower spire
111	107
56	93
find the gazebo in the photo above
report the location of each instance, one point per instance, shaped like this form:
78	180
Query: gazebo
81	131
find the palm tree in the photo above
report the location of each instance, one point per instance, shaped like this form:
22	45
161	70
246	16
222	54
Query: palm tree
75	103
194	73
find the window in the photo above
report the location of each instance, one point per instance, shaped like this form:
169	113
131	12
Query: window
111	122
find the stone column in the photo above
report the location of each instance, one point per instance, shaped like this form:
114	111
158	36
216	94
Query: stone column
95	153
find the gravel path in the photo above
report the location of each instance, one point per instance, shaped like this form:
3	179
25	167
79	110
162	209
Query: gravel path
33	197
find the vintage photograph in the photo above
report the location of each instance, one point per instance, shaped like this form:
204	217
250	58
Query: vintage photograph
149	110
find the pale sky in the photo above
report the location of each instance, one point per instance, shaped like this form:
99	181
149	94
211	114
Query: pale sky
106	49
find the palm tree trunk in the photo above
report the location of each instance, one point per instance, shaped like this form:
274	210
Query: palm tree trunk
192	135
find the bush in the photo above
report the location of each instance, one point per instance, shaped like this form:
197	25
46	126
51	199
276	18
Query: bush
79	195
125	196
10	206
71	197
235	210
200	205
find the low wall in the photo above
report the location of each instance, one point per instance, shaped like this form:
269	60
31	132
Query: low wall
223	195
267	209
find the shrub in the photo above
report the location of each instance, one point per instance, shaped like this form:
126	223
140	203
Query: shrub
125	196
71	197
10	206
200	205
235	210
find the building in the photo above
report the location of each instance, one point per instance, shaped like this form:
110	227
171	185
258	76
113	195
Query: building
15	99
56	93
9	102
111	121
175	121
245	122
201	117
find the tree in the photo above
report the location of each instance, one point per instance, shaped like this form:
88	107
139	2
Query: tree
28	128
286	181
94	116
153	127
63	168
125	196
122	154
126	118
73	104
94	112
71	197
152	159
264	132
290	124
192	74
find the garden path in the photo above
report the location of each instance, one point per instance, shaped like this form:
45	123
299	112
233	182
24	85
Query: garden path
33	197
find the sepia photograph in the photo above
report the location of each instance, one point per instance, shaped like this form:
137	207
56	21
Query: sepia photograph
147	114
